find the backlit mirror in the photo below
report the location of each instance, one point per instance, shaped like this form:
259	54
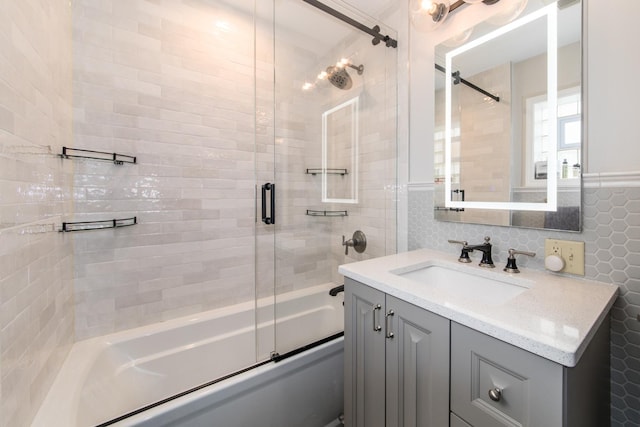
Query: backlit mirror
508	121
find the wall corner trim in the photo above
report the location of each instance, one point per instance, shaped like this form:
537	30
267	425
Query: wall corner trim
611	179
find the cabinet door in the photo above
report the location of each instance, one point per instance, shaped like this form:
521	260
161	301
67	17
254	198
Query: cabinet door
417	366
494	384
457	421
364	355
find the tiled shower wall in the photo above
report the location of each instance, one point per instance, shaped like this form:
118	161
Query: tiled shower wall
36	294
181	98
482	121
611	232
173	84
375	210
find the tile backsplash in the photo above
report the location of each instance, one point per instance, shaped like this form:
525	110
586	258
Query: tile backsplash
611	232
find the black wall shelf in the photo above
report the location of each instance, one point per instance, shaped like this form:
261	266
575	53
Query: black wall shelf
316	171
77	153
98	225
312	212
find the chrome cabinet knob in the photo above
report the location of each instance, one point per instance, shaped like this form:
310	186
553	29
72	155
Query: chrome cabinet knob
495	394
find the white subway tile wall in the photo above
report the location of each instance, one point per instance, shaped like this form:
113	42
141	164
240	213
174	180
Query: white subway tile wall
36	261
186	88
173	84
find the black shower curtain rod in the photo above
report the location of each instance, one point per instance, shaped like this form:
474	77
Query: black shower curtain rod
375	31
457	79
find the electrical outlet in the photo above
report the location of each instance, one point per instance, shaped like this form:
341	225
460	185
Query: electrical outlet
571	252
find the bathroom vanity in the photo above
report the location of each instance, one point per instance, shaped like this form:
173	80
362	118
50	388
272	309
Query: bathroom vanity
432	342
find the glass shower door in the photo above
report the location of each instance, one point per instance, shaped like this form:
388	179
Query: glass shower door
334	129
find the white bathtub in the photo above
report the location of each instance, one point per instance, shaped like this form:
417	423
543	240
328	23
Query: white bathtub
109	376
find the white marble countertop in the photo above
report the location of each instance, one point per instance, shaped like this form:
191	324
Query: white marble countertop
555	317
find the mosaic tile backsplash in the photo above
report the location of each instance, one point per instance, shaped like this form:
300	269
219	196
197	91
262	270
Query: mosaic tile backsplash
611	232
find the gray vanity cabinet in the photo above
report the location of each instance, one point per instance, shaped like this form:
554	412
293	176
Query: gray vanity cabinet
405	366
495	384
396	361
364	354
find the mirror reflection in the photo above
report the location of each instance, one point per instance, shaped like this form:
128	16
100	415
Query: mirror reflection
504	155
340	153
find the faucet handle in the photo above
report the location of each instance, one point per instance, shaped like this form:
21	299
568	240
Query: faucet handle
460	242
511	266
358	242
464	255
487	239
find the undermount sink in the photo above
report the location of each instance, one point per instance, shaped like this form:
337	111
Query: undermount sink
469	285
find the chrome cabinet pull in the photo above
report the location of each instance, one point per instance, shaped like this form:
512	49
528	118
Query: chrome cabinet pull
376	324
387	324
495	394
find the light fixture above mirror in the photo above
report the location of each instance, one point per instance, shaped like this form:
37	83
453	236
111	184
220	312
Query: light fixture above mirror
427	15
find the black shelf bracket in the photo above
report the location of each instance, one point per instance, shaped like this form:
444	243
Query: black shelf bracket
97	225
77	153
312	212
316	171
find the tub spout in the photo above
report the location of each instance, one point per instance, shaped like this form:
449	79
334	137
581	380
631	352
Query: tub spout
335	291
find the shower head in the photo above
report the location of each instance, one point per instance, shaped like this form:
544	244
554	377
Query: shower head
339	77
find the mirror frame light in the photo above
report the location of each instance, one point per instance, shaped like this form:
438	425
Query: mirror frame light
551	13
354	103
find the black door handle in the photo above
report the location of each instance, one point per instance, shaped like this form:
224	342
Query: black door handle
271	219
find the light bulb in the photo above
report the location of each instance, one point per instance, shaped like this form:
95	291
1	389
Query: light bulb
427	15
322	75
426	5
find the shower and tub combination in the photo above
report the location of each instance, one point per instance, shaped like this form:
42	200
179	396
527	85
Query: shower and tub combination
154	375
254	159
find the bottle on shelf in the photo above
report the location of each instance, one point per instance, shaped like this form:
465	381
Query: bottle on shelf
576	170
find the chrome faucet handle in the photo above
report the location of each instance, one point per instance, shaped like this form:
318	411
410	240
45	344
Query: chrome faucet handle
511	266
358	242
464	255
460	242
346	245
